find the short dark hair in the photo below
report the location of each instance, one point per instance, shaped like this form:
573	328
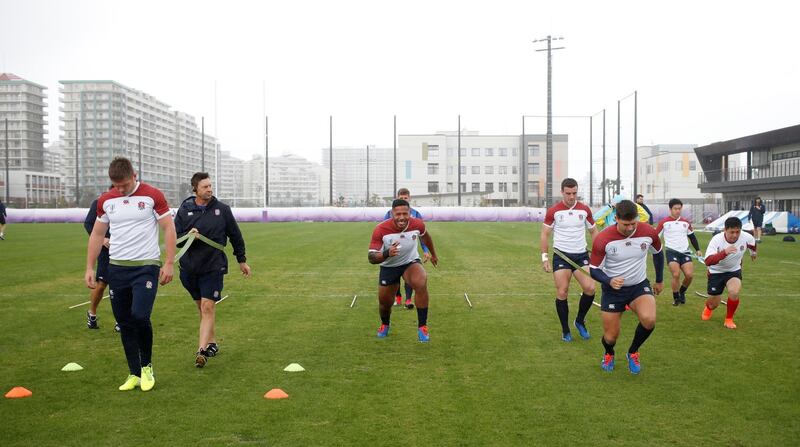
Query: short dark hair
399	202
120	169
733	222
403	192
674	202
197	177
639	195
568	183
627	210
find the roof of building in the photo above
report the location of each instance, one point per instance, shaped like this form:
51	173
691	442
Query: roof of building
12	78
765	140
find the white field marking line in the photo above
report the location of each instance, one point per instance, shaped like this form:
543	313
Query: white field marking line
703	295
221	300
353	303
83	304
789	262
468	301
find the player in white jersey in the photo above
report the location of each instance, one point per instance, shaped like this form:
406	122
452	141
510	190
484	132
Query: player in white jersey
619	262
724	260
134	212
676	231
568	221
394	247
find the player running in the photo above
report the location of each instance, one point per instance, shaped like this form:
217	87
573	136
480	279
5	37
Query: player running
394	247
619	262
724	260
676	230
568	220
405	194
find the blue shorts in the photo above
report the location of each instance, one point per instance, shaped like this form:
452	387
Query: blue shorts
718	281
101	274
391	275
132	290
676	256
578	258
615	300
206	285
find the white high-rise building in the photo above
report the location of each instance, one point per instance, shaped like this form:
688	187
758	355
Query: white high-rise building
22	103
107	115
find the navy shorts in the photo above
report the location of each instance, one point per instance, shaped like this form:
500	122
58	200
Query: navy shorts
391	275
578	258
718	281
132	290
615	300
101	274
676	256
206	285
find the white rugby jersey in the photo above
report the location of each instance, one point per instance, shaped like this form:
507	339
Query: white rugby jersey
620	256
386	233
133	221
676	233
569	226
716	259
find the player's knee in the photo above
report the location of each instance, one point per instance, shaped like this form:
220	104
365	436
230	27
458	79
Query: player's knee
589	290
733	296
648	321
688	277
676	275
562	292
207	307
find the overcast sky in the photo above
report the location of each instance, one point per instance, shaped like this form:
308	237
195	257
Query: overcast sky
705	71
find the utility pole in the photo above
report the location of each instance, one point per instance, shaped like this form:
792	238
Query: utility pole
140	177
603	180
459	160
77	167
635	146
618	146
367	204
394	170
330	159
549	178
203	144
266	161
7	180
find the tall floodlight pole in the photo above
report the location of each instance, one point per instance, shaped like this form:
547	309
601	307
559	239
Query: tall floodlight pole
523	185
7	179
367	175
618	147
394	170
549	177
603	180
591	159
330	158
203	144
635	146
77	167
266	161
459	160
141	176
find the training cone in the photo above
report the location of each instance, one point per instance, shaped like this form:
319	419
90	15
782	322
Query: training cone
276	393
294	367
18	392
72	367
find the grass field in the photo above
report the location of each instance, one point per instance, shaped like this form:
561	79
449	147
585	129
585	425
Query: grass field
495	375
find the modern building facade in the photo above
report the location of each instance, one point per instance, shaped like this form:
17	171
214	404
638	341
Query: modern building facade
771	170
104	119
668	171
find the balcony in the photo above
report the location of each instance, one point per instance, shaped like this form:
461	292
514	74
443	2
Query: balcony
774	176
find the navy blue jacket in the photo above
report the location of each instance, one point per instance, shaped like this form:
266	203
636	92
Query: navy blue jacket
215	222
756	214
3	209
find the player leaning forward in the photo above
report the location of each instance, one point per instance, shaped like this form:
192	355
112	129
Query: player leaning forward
724	260
569	220
394	247
619	262
134	211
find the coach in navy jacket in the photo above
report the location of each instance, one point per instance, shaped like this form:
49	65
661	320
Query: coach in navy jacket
216	222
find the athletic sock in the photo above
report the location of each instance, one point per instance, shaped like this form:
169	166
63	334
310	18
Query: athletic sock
562	308
732	305
583	307
639	338
385	315
676	296
609	346
409	291
422	316
683	289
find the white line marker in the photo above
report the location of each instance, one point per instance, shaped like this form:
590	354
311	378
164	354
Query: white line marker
596	303
703	295
221	300
468	301
87	302
353	303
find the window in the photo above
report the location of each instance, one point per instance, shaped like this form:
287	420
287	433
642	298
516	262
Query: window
502	169
449	151
463	152
785	155
476	187
476	169
649	168
463	170
533	150
649	189
663	166
692	165
450	170
433	186
488	169
433	168
514	187
533	168
433	151
502	152
449	187
679	165
533	187
514	170
502	187
476	152
489	187
408	169
489	152
514	152
463	187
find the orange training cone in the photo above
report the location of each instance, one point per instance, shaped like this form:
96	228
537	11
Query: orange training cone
276	393
19	392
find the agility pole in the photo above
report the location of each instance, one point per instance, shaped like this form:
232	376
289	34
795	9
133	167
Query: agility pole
83	304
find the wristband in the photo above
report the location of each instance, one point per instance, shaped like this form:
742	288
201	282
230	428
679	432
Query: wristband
544	257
